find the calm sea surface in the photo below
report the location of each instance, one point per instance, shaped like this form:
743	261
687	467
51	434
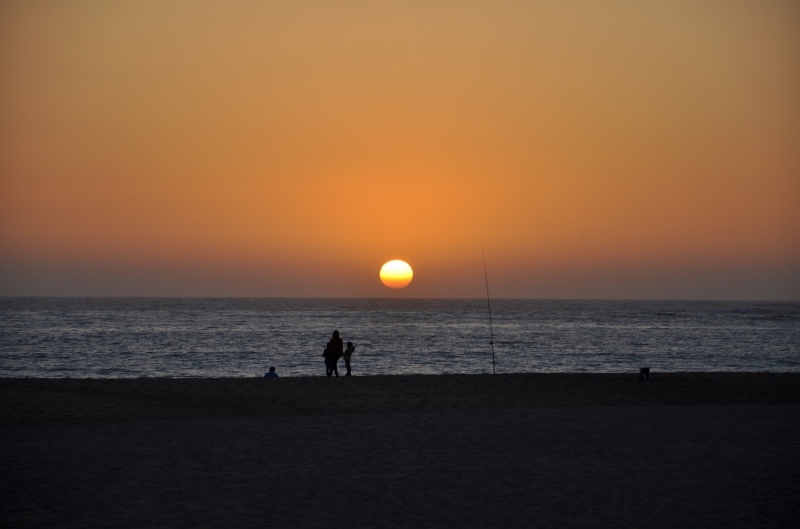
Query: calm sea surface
143	337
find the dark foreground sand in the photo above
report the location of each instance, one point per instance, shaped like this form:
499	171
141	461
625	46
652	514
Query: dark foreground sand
534	450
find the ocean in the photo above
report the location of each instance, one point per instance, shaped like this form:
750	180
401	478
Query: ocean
194	337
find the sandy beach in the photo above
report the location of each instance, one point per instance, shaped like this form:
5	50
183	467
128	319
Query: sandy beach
526	450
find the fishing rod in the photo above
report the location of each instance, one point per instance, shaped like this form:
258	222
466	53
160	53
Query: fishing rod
489	305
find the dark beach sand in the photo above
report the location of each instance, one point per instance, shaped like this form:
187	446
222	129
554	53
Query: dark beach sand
528	450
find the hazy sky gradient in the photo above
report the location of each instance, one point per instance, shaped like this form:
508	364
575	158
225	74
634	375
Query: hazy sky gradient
619	149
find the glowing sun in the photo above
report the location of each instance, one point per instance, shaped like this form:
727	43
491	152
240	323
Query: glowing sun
396	274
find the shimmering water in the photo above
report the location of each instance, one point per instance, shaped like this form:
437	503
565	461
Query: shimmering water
142	337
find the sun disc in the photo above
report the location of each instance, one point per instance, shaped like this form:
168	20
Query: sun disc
396	274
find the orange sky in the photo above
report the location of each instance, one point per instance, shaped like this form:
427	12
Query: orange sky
617	149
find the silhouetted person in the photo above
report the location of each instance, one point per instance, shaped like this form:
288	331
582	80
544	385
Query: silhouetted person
335	350
347	354
271	373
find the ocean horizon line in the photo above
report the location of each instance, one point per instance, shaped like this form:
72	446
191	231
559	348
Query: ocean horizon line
404	298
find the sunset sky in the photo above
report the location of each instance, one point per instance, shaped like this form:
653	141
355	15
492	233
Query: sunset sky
616	149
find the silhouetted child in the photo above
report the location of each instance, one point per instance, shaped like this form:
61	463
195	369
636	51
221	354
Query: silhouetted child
347	354
271	373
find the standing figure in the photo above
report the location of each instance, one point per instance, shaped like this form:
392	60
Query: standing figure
347	354
334	351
